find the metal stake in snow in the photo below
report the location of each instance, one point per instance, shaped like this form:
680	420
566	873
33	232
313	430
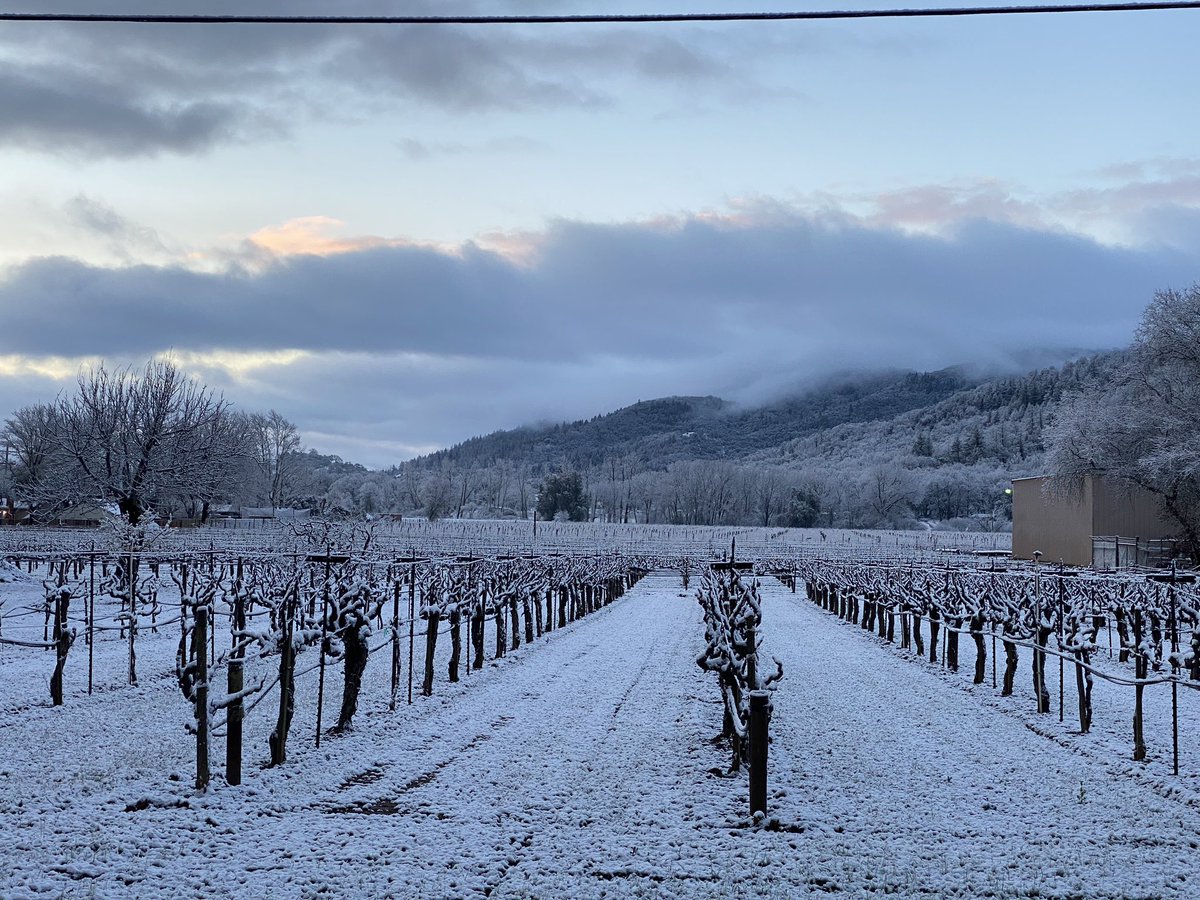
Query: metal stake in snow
91	615
329	559
395	644
1173	579
411	561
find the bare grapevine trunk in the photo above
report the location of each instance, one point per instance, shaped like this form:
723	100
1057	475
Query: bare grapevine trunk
478	617
1039	670
1123	633
1141	670
62	645
980	649
355	662
455	643
287	696
934	628
1010	666
1083	689
431	636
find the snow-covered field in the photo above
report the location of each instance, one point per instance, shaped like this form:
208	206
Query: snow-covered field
579	766
481	537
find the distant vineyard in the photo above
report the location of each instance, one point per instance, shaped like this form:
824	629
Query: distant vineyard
484	537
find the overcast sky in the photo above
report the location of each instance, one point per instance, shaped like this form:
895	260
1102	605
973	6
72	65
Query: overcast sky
403	237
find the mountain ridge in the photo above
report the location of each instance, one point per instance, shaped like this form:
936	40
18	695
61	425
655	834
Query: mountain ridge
892	448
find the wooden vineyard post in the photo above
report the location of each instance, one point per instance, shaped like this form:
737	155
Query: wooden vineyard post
233	728
235	681
200	638
759	707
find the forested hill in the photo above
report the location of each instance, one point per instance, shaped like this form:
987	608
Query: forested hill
660	432
895	449
998	421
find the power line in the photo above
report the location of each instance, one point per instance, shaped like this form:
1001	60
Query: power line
643	18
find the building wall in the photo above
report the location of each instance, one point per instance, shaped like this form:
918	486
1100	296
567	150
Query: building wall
1060	527
1128	513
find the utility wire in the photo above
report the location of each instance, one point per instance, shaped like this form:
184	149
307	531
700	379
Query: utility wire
642	18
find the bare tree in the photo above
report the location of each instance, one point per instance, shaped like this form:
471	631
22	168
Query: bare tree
769	489
30	437
887	494
274	443
438	493
137	439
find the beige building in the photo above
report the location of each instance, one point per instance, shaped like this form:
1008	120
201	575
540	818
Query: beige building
1063	527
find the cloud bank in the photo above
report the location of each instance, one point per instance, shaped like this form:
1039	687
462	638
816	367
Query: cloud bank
410	347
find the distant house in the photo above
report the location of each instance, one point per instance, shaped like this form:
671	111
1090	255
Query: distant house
1106	524
13	513
81	515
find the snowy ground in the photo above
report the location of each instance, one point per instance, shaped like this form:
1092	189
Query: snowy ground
579	767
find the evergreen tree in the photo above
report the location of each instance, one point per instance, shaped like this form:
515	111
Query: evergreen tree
563	492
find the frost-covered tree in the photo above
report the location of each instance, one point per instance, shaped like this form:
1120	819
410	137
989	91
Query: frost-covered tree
274	443
438	493
32	451
139	440
887	494
1143	429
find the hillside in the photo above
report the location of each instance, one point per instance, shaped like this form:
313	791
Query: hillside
1000	420
664	431
947	416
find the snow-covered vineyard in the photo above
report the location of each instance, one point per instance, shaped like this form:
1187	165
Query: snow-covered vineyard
476	711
